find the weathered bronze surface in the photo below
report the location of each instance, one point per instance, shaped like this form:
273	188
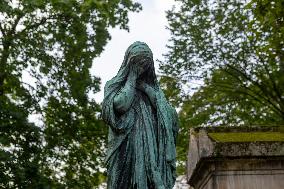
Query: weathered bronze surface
143	126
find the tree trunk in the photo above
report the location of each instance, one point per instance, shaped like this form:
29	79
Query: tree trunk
3	63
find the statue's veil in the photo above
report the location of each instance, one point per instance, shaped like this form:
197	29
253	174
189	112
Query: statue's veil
117	82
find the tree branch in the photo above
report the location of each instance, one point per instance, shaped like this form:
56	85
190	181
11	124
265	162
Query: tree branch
272	80
245	92
13	29
256	84
32	26
7	42
2	30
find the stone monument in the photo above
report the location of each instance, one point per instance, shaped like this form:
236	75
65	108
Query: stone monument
143	126
236	158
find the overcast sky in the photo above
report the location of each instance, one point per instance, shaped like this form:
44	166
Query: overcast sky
149	25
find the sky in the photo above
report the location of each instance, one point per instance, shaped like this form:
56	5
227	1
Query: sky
149	26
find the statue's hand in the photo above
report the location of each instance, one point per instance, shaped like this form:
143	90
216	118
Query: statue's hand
138	66
142	86
133	74
150	91
145	87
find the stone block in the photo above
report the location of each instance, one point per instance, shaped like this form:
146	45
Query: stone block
236	158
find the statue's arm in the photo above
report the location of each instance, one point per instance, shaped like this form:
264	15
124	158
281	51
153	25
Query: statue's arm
150	92
125	97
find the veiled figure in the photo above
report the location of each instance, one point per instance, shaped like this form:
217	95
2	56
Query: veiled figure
143	126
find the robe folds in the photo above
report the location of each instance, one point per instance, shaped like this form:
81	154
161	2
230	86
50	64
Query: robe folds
141	141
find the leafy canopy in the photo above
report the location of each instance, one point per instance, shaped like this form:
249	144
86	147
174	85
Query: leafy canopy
235	49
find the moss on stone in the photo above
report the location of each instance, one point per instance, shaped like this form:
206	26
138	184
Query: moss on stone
247	137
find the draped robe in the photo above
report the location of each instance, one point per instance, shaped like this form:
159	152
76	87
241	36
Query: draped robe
141	141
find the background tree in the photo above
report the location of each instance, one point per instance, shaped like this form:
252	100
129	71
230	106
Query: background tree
235	48
53	44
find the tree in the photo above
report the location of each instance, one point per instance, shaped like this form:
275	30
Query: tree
236	49
20	148
54	43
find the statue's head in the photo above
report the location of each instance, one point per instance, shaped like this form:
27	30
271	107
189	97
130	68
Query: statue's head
139	54
139	48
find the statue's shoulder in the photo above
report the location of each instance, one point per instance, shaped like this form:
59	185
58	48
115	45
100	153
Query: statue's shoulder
107	85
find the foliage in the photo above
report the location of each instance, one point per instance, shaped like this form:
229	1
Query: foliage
236	49
52	44
175	89
20	147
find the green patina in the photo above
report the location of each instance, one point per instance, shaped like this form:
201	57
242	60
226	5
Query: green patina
142	126
247	137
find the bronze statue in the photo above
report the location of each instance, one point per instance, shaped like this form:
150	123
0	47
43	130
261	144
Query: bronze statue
143	126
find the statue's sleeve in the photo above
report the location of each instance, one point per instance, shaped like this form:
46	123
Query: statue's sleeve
124	98
118	123
170	114
151	93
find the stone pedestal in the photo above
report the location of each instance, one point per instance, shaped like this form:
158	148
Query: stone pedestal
236	158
